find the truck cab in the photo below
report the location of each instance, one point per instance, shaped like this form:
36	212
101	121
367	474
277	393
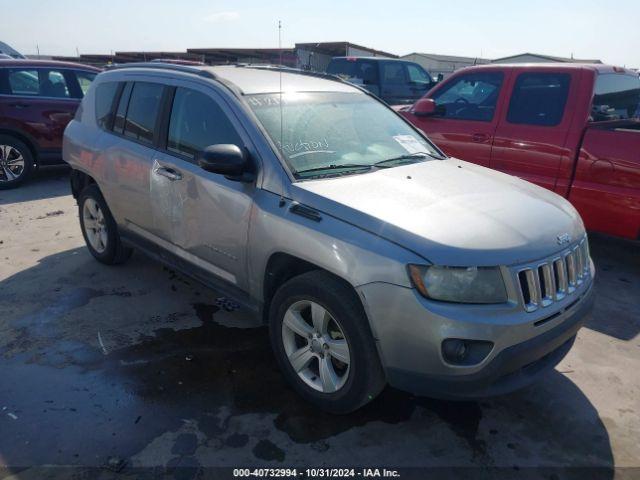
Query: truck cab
571	128
396	82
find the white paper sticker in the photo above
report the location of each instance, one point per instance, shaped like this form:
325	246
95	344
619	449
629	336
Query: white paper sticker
410	143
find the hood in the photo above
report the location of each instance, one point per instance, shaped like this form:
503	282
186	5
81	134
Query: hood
450	212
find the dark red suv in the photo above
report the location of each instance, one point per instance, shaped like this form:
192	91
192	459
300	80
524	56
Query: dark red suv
37	100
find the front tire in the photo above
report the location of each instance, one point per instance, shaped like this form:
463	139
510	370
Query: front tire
323	344
16	162
99	229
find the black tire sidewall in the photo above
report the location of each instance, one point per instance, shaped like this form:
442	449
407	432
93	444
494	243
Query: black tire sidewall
366	377
28	160
110	253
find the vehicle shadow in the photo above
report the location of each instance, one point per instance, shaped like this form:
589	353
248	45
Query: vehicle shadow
108	362
616	310
47	182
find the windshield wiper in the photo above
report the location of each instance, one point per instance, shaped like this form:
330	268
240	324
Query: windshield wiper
406	158
345	166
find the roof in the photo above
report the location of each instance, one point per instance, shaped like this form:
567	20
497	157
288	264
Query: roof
449	58
338	49
598	67
375	59
44	63
548	57
257	79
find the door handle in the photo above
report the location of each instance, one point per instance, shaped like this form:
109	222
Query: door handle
480	137
19	105
169	173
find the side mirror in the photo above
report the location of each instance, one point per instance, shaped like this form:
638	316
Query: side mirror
424	107
226	159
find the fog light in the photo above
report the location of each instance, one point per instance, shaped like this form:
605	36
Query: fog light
459	351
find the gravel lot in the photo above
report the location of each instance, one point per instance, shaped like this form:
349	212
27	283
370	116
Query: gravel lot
137	366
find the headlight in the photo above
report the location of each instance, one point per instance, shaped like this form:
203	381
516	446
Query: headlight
459	284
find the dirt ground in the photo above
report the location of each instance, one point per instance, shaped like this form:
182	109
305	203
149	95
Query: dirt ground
138	370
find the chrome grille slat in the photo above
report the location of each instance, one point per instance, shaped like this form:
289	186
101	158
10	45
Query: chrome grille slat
549	293
561	272
550	281
571	271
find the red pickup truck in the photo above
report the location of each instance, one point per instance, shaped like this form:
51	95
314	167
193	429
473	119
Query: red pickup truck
574	129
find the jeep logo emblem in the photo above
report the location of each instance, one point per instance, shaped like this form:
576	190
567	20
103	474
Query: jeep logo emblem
563	238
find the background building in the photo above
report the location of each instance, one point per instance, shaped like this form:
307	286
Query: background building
316	56
443	64
538	58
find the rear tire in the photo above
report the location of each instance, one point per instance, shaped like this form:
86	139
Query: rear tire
16	162
99	229
323	344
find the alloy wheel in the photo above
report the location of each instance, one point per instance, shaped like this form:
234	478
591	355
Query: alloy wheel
95	225
12	163
316	347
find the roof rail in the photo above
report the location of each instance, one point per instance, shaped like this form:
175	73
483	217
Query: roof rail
299	71
165	66
326	76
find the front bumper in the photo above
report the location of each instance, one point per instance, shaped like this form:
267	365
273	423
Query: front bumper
409	331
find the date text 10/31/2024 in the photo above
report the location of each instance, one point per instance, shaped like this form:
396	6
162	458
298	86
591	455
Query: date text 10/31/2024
316	473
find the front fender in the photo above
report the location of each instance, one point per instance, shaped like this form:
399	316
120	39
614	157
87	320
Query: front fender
353	254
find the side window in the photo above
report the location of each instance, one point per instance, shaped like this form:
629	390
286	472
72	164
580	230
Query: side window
539	99
393	72
341	66
197	122
616	97
53	84
357	71
470	97
5	89
84	80
24	82
142	112
368	72
105	95
417	75
121	111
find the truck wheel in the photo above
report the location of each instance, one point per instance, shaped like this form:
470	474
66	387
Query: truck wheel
322	341
99	229
16	162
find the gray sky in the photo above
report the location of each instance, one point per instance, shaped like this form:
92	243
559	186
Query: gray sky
609	31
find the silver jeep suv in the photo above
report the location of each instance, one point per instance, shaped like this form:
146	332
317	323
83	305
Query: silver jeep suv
372	257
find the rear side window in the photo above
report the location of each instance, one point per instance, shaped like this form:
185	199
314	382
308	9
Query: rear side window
121	112
393	72
142	112
617	97
470	97
53	84
539	99
197	122
105	95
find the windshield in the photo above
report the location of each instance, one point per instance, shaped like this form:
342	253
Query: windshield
330	133
617	97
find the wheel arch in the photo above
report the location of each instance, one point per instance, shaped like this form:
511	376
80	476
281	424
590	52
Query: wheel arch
24	138
282	267
79	181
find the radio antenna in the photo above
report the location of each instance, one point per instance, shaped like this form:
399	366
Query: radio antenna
280	69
